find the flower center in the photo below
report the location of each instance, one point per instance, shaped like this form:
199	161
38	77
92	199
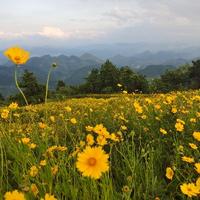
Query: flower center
17	58
92	161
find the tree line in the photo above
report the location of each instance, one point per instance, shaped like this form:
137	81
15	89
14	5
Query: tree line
111	79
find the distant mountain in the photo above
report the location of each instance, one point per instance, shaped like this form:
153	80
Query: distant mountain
78	76
88	56
67	66
74	69
122	61
153	71
177	62
71	69
149	58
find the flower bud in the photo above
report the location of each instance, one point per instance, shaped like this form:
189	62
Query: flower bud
54	65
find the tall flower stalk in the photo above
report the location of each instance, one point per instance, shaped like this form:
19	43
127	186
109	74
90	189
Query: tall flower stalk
19	57
17	85
54	65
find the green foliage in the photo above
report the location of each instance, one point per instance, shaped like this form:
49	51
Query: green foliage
105	80
172	80
109	76
194	73
153	71
93	82
31	88
132	81
60	85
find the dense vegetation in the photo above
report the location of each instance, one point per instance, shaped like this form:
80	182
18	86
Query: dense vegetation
152	142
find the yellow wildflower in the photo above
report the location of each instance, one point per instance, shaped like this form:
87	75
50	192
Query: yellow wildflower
174	110
54	170
169	173
179	126
180	148
49	197
92	162
196	135
180	121
188	159
137	107
52	118
89	128
32	146
73	121
193	146
157	106
34	189
25	140
198	114
14	195
42	125
198	183
68	109
193	120
119	85
61	148
124	128
90	139
197	165
124	92
149	101
163	131
113	137
43	162
101	140
13	106
17	55
33	171
189	189
82	143
101	130
5	113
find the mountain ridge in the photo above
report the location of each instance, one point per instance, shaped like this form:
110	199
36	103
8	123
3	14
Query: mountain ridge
74	69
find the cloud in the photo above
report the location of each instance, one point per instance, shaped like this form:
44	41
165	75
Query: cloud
53	32
9	35
49	34
104	21
151	12
125	16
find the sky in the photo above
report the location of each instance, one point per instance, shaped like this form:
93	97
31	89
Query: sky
73	22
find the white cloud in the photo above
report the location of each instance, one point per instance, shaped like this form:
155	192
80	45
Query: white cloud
9	35
50	32
103	20
53	32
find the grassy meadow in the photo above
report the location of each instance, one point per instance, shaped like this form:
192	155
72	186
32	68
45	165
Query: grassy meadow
151	142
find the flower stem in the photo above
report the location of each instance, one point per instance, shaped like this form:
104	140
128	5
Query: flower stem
47	84
17	85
